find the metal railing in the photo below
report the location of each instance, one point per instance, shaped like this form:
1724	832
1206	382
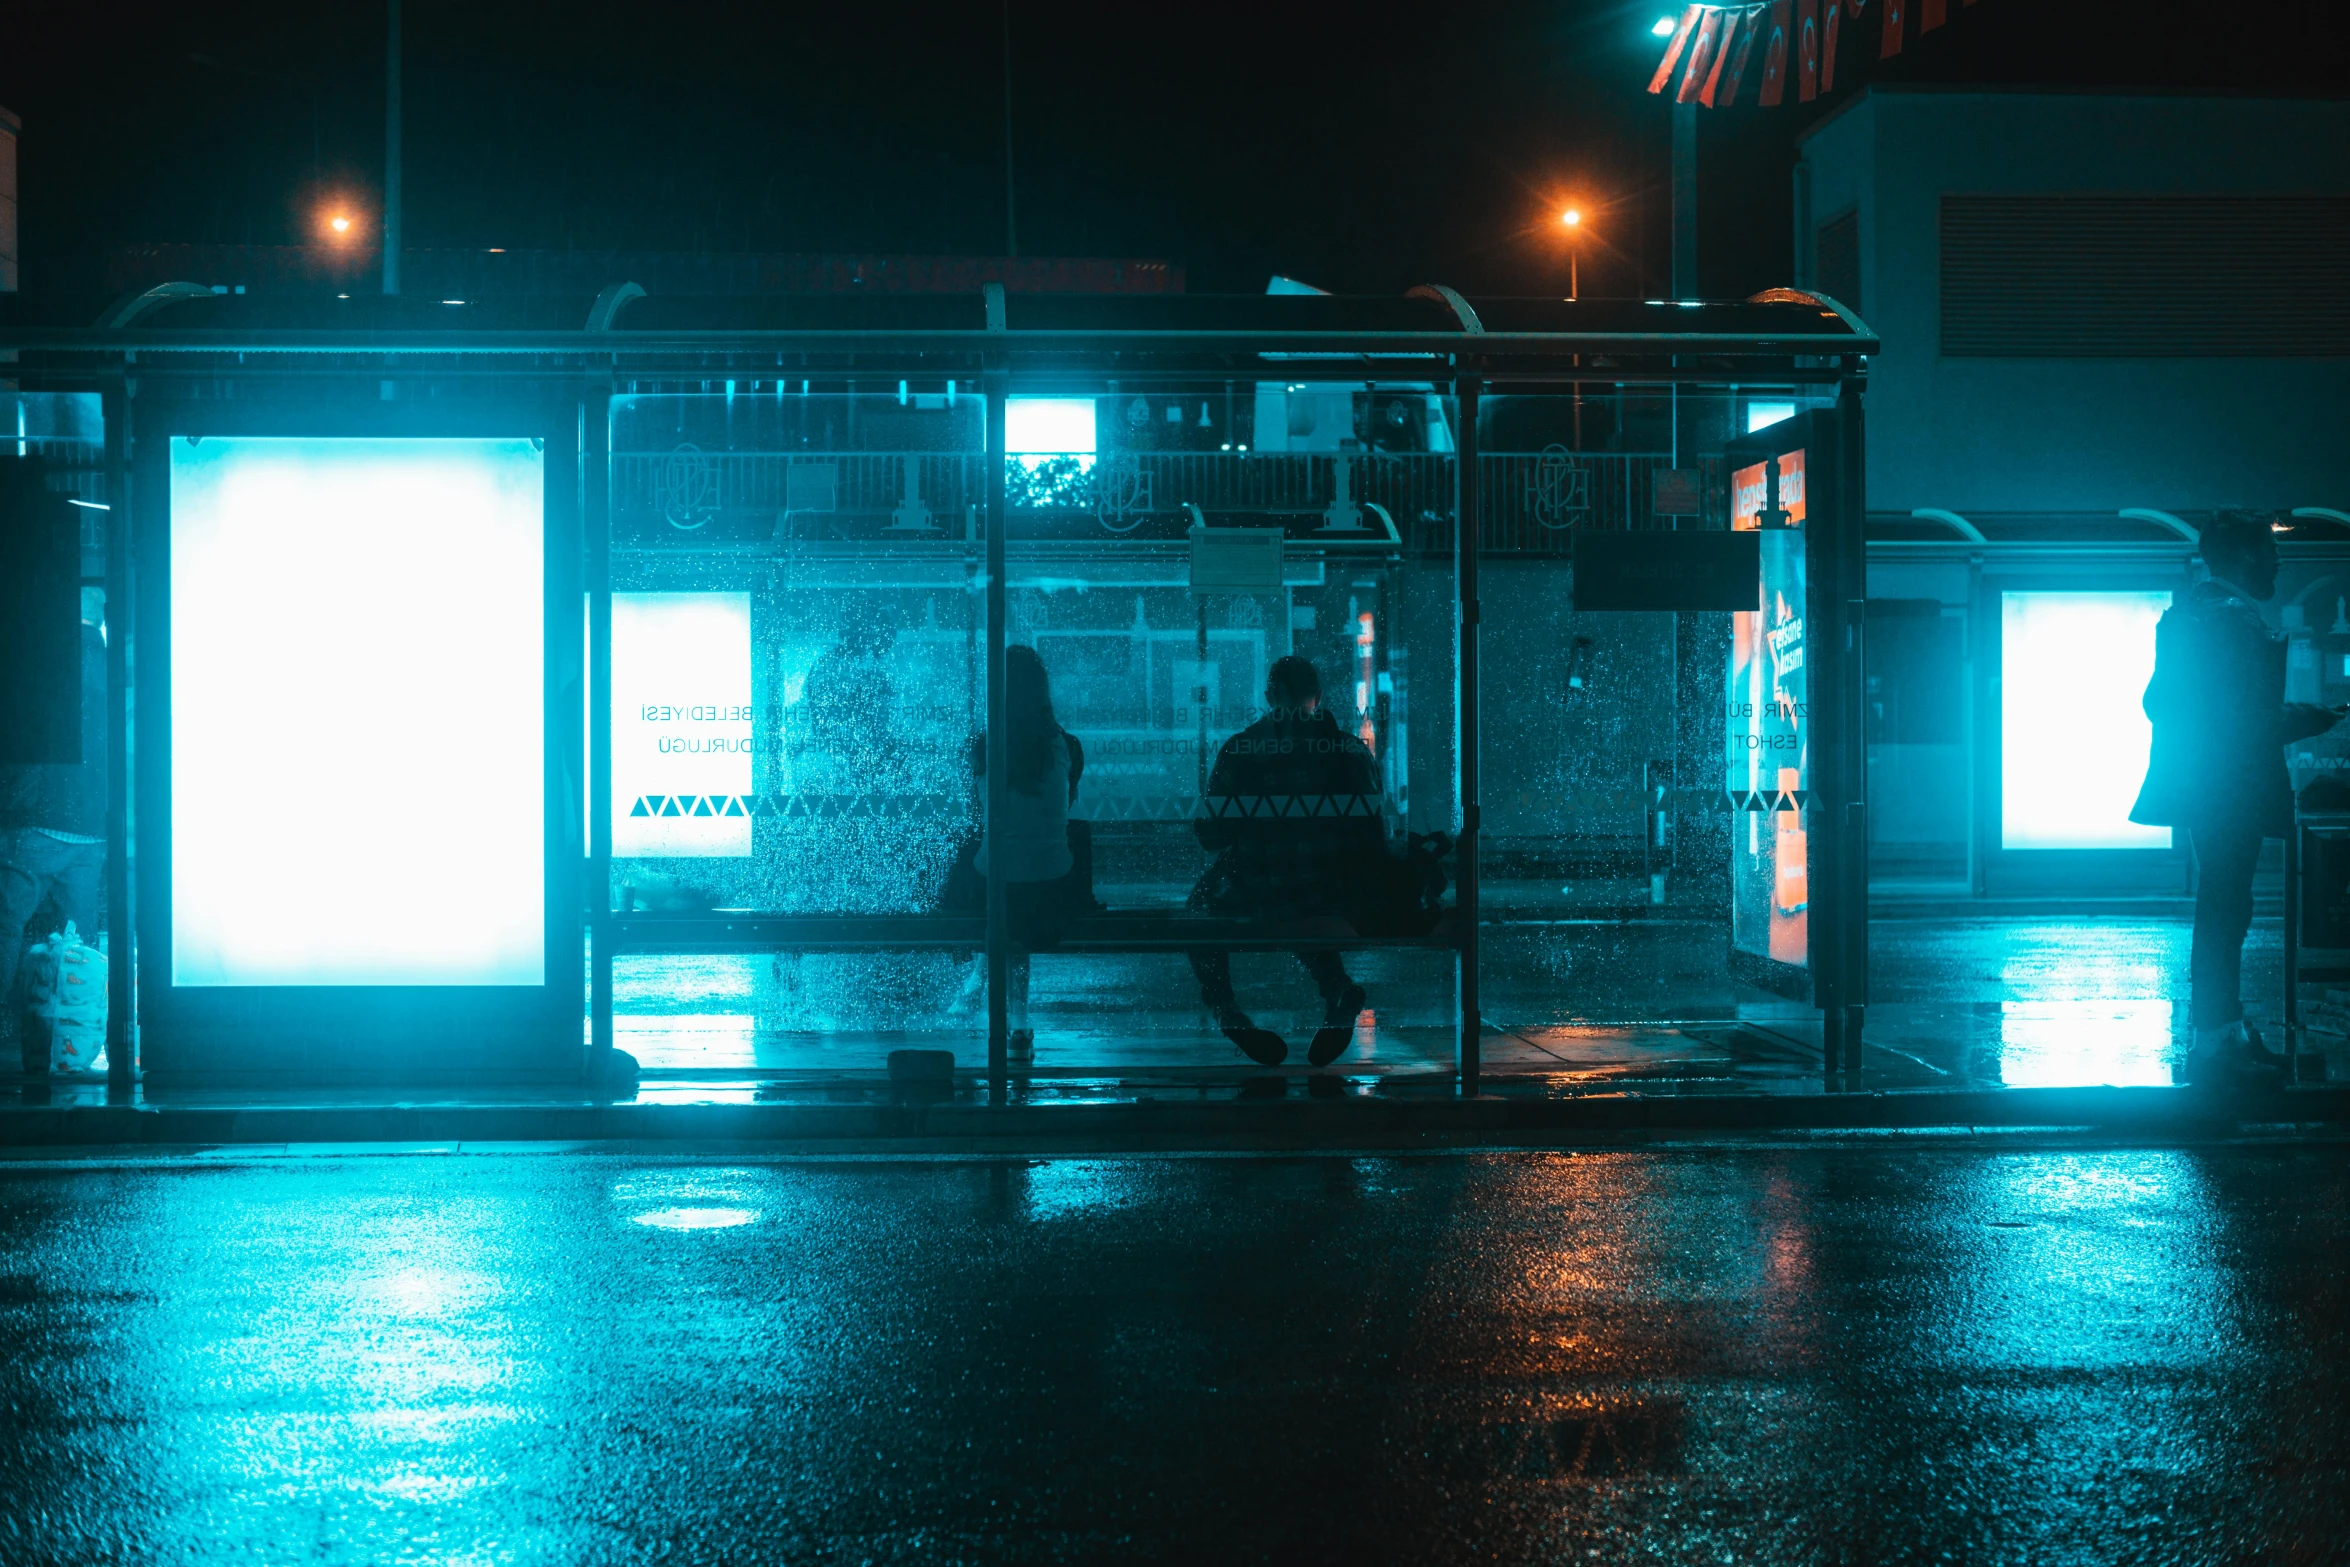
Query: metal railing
1530	503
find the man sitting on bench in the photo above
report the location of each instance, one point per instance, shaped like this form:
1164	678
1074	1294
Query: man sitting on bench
1292	813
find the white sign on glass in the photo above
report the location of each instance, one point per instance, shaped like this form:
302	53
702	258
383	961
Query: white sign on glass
681	724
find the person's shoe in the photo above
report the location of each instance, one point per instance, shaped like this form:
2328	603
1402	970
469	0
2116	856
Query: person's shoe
2229	1051
1260	1045
1338	1027
2255	1051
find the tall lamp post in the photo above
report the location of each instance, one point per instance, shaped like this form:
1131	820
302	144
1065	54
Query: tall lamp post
1684	278
1572	220
391	234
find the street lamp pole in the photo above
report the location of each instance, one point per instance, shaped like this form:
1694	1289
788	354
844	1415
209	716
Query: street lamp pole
1684	201
391	235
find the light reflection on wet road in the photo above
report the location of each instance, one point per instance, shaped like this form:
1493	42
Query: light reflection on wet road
1820	1355
2037	1003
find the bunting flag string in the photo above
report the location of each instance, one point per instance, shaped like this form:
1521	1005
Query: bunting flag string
1712	46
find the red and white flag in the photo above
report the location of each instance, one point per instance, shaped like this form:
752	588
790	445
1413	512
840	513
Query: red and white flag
1750	27
1892	45
1664	69
1807	49
1774	77
1732	23
1701	55
1931	14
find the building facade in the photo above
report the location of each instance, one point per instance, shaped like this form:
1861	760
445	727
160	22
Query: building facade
2103	315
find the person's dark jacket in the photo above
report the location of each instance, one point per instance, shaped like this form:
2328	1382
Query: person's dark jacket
1293	803
61	796
2221	723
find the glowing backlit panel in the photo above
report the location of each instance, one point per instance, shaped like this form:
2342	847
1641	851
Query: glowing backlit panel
2073	738
681	724
357	712
1048	426
1769	721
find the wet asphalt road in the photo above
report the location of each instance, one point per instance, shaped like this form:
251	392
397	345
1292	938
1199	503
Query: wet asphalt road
1835	1355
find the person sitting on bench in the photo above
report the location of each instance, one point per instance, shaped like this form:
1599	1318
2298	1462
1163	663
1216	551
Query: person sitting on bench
1292	813
1040	895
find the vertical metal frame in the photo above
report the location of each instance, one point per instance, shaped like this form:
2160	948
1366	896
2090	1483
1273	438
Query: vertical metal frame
1837	827
595	471
1467	537
384	1033
122	975
998	389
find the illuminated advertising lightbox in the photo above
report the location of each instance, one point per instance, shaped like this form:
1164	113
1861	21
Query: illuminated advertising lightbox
1768	715
681	724
357	712
2073	736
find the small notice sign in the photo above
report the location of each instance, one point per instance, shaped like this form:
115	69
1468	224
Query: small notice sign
1663	570
1236	560
1678	492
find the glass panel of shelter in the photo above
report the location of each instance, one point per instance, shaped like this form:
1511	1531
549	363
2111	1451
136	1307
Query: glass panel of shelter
799	682
1614	849
1168	544
797	673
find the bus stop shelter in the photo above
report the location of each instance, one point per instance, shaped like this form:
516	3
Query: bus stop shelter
461	651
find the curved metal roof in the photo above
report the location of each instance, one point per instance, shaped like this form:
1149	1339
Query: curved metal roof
957	334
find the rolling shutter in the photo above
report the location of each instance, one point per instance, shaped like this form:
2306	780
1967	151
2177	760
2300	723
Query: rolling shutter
2146	277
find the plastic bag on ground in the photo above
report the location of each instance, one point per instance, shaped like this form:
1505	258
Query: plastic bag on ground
65	1004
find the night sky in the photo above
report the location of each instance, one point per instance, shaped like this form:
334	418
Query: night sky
1359	148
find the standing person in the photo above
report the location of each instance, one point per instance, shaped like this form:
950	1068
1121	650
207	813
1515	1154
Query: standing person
1293	815
53	828
2217	766
1046	763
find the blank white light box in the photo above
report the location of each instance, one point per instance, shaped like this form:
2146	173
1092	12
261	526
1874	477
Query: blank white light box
681	723
357	712
1038	427
2073	736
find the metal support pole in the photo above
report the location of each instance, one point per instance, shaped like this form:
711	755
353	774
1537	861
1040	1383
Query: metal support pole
391	235
1685	201
998	742
2292	1012
1011	210
1838	814
595	449
122	941
1853	542
1465	719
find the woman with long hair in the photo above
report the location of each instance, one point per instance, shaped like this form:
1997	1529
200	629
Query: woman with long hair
1045	763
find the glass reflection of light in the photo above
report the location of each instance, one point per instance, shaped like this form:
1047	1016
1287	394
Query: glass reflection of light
689	1039
694	1218
2087	960
2123	1044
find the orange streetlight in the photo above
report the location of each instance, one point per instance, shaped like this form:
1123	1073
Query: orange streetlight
1572	220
